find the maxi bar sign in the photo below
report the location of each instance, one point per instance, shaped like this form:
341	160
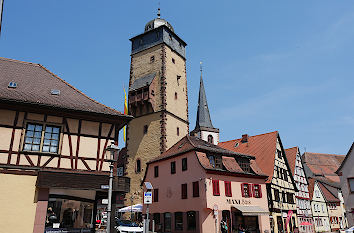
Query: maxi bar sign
148	197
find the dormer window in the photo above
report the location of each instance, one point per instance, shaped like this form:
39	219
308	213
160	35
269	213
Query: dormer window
215	161
244	164
211	160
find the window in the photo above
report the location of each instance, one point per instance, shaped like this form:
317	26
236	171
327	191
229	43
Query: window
184	191
177	131
216	189
173	61
191	220
246	190
184	164
156	195
152	59
156	171
167	221
196	189
290	198
228	191
35	140
284	197
145	129
173	167
210	139
279	154
212	160
257	191
276	195
244	164
138	166
351	184
175	95
285	175
178	78
179	221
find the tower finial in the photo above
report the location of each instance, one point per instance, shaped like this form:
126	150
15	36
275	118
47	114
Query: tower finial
201	68
158	12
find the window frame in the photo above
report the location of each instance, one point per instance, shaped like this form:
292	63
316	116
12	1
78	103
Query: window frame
184	191
349	186
195	188
44	125
249	191
173	168
193	227
184	164
138	165
259	190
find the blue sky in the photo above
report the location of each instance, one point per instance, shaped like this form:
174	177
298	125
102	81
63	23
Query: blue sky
268	65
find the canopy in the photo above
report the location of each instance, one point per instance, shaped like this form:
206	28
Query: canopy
251	210
305	224
349	230
133	208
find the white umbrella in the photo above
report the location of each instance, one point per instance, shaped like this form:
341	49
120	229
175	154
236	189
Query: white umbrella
133	208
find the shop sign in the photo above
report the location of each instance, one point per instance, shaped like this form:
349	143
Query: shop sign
238	201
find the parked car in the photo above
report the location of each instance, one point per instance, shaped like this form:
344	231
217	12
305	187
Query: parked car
126	226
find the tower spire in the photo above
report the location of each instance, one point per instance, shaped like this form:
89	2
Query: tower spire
203	115
158	12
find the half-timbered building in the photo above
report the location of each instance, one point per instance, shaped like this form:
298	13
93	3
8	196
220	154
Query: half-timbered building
52	152
303	202
281	188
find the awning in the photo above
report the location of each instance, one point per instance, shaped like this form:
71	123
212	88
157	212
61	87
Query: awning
251	210
133	208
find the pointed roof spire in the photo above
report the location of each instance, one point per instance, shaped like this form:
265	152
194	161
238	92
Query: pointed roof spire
203	115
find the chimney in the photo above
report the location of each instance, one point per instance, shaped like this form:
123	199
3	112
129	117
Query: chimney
244	138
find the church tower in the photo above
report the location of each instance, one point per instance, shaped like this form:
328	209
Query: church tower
157	98
204	128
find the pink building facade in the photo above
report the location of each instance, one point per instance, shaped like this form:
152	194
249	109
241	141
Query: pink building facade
200	187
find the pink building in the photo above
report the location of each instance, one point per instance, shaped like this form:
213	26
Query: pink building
197	185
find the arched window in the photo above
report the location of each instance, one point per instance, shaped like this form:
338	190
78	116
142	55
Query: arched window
138	166
210	138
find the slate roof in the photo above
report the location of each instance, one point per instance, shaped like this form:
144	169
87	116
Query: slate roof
291	156
262	146
34	85
324	165
142	82
201	148
203	115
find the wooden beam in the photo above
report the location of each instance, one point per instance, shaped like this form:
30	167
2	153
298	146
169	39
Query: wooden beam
99	145
105	146
78	144
12	138
19	148
70	144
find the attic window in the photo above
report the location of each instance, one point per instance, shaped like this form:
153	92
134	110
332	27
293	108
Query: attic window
236	144
55	92
12	85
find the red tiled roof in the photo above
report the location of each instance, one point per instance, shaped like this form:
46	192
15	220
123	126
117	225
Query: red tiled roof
34	85
291	156
262	146
324	165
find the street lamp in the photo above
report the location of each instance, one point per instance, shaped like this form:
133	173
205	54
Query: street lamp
110	152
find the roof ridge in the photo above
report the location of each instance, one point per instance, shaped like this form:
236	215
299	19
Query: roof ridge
323	154
291	147
251	136
18	61
77	90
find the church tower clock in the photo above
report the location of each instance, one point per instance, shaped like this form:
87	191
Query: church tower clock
157	97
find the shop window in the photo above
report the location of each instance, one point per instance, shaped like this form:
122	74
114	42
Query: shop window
184	191
246	190
210	139
179	221
173	167
257	191
167	222
228	191
184	164
191	220
196	189
138	166
145	129
216	189
69	212
156	195
35	140
156	171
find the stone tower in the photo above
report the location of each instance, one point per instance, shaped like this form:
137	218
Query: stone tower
204	128
157	98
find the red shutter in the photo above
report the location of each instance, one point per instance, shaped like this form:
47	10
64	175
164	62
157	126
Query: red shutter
242	190
228	191
216	190
260	191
